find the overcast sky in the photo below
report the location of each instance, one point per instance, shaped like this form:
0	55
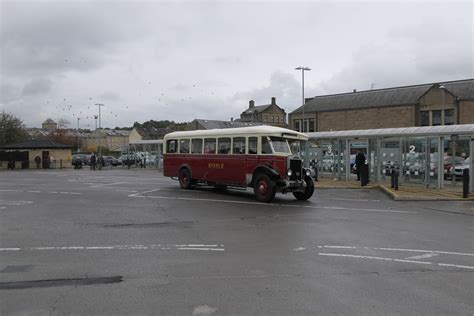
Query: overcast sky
180	60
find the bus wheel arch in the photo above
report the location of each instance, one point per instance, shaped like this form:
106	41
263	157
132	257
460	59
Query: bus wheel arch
264	188
271	173
308	191
184	176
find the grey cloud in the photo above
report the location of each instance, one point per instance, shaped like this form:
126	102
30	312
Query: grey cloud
233	60
37	87
110	96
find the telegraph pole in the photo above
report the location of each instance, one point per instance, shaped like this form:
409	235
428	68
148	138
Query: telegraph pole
100	147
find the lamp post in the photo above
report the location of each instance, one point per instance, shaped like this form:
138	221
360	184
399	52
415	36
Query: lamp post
100	147
302	86
78	150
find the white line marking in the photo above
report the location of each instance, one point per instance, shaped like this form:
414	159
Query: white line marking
455	266
106	184
33	191
205	249
426	256
139	193
201	247
10	190
371	258
299	249
339	247
429	251
403	250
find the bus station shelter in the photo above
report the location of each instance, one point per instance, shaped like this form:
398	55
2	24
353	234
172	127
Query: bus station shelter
149	150
429	156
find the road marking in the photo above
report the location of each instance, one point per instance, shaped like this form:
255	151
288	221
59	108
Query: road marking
198	247
139	195
428	251
107	184
337	247
426	256
403	250
6	202
455	266
371	258
342	199
299	249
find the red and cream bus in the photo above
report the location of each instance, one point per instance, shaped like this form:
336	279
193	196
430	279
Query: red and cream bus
259	157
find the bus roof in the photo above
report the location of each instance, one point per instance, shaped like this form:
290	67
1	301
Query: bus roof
241	131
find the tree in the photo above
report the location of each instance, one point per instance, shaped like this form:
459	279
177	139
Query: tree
11	129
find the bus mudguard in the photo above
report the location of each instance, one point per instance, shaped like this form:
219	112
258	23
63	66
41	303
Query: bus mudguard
269	171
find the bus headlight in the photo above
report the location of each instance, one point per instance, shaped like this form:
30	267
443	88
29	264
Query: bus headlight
289	173
308	172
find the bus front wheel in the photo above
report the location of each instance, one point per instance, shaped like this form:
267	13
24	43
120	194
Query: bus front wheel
184	179
308	190
264	188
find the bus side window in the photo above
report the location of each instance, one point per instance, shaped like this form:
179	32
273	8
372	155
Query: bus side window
171	146
196	146
253	145
238	147
184	146
210	146
224	145
266	148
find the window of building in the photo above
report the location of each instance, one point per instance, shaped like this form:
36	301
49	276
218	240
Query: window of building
449	117
436	117
425	118
296	125
238	147
224	145
311	125
264	118
210	146
196	146
184	146
252	145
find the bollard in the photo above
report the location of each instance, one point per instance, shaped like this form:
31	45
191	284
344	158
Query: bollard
396	174
60	164
392	179
465	183
364	175
316	174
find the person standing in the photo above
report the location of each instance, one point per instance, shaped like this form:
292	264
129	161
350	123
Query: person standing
359	162
93	161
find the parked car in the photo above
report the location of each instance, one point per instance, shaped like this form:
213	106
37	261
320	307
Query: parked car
108	160
458	170
449	163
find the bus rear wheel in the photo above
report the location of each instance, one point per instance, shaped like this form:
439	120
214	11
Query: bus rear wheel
264	188
184	179
308	190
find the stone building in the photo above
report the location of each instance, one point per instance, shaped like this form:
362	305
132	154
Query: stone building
268	114
49	125
114	140
443	103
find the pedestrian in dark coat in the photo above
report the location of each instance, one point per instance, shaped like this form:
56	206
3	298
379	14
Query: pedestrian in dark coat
359	161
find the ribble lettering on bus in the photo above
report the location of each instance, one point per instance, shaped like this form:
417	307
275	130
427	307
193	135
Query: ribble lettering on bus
216	165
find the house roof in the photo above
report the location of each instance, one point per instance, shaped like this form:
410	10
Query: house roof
152	133
257	109
397	96
49	121
213	124
36	144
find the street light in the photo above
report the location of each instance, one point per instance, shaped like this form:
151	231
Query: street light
302	85
78	150
100	147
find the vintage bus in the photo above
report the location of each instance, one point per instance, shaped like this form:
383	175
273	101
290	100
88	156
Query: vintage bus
259	157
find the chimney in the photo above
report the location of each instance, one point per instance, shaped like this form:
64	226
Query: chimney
355	90
251	104
231	119
273	101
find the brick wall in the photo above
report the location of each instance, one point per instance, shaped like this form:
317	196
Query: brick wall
387	117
